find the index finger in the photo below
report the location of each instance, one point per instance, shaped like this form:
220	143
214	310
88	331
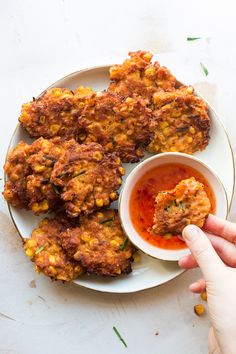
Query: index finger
221	228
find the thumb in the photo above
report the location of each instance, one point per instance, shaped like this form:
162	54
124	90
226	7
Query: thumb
202	250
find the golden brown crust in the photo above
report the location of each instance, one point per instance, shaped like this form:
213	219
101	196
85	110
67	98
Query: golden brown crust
180	120
45	251
186	204
98	244
87	178
52	173
29	168
181	125
55	113
137	75
119	125
161	98
120	119
17	169
143	109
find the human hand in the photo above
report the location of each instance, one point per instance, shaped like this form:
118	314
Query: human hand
215	253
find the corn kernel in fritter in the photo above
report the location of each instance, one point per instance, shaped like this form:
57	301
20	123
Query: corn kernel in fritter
88	178
119	125
138	76
44	250
184	114
97	243
32	164
55	113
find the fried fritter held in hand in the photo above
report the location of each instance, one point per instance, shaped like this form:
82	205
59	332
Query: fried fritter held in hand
186	204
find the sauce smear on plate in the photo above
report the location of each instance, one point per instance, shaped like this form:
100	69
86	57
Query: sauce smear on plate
142	201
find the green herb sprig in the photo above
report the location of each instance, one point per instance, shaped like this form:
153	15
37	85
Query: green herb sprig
193	38
119	336
206	72
56	190
62	174
107	220
40	249
182	206
79	173
50	158
123	247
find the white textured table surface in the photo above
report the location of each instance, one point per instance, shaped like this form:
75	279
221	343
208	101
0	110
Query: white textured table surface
42	41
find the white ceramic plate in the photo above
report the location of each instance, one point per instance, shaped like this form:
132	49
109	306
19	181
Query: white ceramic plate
149	272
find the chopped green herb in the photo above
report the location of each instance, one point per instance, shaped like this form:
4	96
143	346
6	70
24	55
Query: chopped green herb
56	190
152	107
33	98
62	174
40	249
113	140
206	72
181	204
182	129
79	173
49	158
123	247
193	38
119	336
107	220
172	204
72	92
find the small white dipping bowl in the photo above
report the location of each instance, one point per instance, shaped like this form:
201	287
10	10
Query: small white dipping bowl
147	165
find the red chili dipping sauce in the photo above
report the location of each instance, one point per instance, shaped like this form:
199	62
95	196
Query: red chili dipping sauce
142	201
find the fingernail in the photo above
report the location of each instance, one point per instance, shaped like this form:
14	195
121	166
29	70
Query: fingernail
193	286
190	232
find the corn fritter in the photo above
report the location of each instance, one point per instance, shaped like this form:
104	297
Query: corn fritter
98	244
186	204
48	256
137	75
88	178
181	125
119	125
55	113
